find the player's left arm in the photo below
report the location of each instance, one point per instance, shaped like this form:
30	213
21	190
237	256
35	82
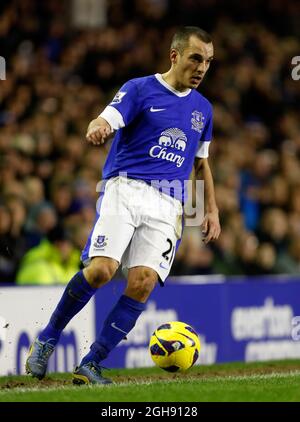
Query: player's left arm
211	223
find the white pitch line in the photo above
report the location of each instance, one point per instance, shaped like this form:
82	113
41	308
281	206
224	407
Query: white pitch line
71	387
254	377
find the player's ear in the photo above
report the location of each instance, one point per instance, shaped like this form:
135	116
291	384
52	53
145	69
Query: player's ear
173	55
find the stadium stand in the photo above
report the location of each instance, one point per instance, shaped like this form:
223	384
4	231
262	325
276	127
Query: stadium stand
60	75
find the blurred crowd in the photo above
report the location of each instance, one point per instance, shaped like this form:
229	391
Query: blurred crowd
59	77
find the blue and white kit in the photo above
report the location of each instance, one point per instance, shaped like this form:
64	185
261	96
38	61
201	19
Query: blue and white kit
159	132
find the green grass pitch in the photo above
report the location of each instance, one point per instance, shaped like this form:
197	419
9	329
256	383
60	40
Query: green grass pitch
239	382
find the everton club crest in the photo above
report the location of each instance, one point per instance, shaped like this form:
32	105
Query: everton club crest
197	121
100	242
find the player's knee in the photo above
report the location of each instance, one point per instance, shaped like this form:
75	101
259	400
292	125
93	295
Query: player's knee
100	271
100	275
141	285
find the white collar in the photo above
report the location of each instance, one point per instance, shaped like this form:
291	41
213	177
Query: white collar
170	88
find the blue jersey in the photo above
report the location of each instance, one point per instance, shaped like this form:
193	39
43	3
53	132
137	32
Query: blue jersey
160	131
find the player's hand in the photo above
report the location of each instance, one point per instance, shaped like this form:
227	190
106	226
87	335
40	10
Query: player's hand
210	227
97	134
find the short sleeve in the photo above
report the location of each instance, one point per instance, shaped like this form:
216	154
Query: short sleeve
206	137
124	106
208	128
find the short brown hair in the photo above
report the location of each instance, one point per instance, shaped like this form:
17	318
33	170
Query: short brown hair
182	36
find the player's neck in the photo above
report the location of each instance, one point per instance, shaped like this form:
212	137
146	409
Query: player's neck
170	78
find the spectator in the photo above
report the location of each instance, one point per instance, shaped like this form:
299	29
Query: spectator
53	261
289	262
265	260
8	255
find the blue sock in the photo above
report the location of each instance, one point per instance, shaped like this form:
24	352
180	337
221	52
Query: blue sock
76	295
117	325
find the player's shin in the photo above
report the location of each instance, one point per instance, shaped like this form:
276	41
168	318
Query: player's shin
117	325
76	295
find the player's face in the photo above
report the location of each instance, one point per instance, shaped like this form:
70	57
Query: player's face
192	65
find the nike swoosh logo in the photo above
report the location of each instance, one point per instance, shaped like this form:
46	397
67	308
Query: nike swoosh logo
153	110
113	324
162	266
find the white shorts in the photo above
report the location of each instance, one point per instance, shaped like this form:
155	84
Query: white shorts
136	225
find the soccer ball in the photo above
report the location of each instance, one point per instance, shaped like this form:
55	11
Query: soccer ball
174	346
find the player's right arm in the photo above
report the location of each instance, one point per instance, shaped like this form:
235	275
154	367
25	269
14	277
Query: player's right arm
98	130
119	113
